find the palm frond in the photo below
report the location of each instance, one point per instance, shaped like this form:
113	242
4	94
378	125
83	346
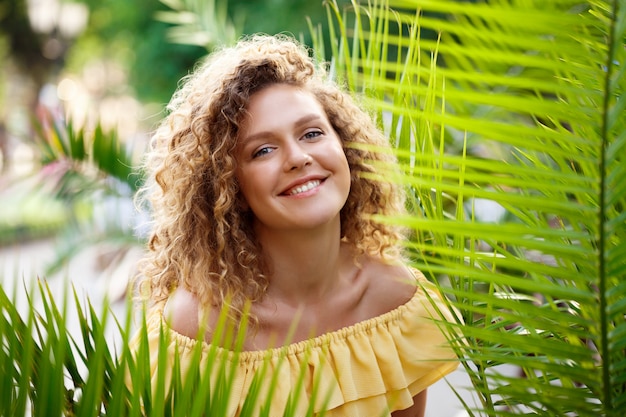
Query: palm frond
62	357
200	22
76	161
94	175
517	106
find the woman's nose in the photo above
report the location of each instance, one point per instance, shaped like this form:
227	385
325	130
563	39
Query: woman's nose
297	158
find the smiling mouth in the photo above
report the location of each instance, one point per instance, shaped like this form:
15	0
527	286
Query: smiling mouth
304	187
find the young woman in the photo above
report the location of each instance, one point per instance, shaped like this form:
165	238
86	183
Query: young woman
261	198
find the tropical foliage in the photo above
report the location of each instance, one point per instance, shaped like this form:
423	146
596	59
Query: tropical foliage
95	175
517	106
514	106
48	371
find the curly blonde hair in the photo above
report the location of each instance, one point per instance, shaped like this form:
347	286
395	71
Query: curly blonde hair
201	238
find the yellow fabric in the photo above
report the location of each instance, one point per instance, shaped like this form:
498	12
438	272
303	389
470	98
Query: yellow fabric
364	370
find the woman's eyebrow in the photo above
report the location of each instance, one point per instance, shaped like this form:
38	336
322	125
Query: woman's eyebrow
307	119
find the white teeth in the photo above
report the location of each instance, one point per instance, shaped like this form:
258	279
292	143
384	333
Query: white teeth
304	187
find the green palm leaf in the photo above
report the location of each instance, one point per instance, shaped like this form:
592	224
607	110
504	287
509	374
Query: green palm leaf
50	369
203	23
95	175
519	105
84	159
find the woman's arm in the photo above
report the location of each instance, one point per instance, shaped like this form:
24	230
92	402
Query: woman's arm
416	410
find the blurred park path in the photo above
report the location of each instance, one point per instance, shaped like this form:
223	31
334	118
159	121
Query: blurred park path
22	265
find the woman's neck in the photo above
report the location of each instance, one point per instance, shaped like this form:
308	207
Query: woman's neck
305	266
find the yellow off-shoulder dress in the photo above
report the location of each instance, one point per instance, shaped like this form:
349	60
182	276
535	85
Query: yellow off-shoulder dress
368	369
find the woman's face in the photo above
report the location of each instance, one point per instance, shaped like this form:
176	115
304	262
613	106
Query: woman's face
292	171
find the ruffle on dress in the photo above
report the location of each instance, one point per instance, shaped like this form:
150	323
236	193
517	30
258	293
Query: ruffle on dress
367	369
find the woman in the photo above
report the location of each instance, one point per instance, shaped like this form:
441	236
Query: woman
263	203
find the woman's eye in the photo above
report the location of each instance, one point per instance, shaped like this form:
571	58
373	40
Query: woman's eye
263	151
312	134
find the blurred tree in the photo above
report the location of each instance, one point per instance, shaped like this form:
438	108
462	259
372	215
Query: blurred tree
128	30
23	48
274	16
24	44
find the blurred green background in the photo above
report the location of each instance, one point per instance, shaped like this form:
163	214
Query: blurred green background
111	62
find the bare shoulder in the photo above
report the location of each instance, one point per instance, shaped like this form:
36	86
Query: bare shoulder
181	313
389	285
